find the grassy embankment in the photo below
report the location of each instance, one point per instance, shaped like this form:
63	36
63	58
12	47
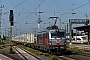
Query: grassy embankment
4	48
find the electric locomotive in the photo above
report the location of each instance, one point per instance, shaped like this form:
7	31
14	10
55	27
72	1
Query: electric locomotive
52	40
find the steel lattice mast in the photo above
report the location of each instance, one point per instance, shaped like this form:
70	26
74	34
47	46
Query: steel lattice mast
39	19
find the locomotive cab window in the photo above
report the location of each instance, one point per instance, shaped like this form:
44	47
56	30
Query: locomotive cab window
57	34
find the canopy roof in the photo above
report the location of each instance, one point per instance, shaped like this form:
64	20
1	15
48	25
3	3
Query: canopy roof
85	28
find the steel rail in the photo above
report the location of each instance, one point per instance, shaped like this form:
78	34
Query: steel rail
31	54
28	53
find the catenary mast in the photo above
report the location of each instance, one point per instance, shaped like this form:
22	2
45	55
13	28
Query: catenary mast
39	19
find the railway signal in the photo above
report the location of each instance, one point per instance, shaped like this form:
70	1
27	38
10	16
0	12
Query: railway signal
11	18
11	23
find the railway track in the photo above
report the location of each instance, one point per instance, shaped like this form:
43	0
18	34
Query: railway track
76	56
65	58
25	54
84	54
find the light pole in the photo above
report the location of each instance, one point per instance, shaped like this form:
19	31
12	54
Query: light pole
67	29
0	22
60	23
70	29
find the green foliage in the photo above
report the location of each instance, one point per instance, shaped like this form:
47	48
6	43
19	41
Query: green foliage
67	45
1	43
7	50
54	58
76	49
39	53
32	50
46	54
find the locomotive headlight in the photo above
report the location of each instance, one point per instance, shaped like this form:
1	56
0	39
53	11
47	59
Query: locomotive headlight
65	43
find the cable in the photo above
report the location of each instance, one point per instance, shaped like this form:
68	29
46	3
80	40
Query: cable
19	4
31	13
75	9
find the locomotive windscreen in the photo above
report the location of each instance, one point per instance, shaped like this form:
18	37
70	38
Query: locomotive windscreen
57	34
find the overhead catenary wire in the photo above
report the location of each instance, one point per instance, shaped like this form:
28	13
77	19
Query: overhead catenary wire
75	9
19	4
31	12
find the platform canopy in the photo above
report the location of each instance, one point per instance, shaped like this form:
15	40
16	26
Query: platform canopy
83	28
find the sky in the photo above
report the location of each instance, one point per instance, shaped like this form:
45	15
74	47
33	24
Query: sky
26	13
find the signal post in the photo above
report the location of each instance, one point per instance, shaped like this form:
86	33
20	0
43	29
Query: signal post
11	19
